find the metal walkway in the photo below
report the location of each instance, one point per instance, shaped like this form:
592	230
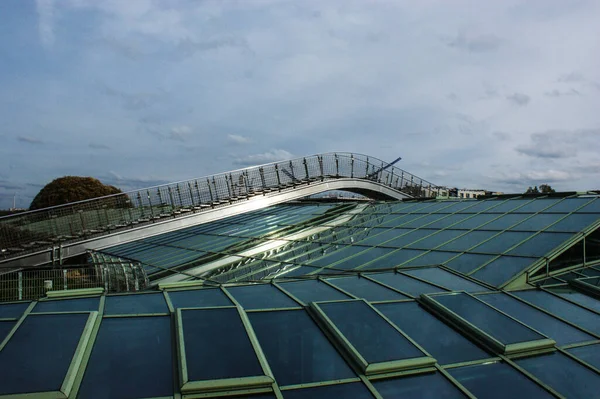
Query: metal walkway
52	234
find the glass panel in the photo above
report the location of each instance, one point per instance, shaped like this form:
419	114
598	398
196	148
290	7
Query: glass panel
436	239
395	258
447	221
573	223
5	328
571	257
362	258
352	390
202	298
541	244
592	247
446	279
425	386
559	331
13	310
407	238
467	241
565	375
468	262
131	358
537	205
431	258
337	256
135	304
217	345
296	349
442	342
577	297
504	221
313	290
509	205
38	355
538	222
590	272
423	221
593	206
497	325
569	205
475	221
262	296
561	308
502	242
364	288
497	381
406	284
481	206
68	305
373	337
589	354
502	269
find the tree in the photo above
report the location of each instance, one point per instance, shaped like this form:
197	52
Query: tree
533	190
546	189
72	189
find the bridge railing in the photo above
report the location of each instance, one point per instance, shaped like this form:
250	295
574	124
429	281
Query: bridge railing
50	227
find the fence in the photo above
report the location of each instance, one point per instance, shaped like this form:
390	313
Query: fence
49	227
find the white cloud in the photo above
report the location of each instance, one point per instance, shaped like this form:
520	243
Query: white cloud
180	133
238	139
265	157
45	10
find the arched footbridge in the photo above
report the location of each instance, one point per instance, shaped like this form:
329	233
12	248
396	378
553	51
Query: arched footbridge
52	234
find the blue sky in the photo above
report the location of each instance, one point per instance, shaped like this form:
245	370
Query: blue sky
497	95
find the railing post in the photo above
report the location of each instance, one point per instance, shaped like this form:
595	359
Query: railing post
367	168
246	183
65	279
292	172
261	172
227	183
352	166
171	196
179	195
401	179
337	166
150	203
306	170
20	289
392	178
212	199
198	192
278	178
191	194
320	158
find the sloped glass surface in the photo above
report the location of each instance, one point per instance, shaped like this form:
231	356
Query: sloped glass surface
199	298
135	304
502	242
68	305
589	354
281	333
446	279
505	221
540	244
468	240
538	205
363	258
337	256
466	263
313	290
577	297
13	310
436	239
573	223
261	296
502	269
569	205
407	238
364	288
475	221
481	206
432	386
406	284
509	205
448	221
350	390
537	222
592	206
431	258
441	341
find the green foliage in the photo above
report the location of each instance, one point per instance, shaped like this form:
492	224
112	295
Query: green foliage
533	190
544	189
71	189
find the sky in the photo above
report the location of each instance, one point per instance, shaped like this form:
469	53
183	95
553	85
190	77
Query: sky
498	95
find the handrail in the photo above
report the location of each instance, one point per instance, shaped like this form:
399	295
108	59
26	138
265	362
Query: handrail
49	227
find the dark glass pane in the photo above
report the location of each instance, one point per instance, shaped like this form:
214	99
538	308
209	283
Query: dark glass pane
561	308
574	223
5	328
363	258
590	272
559	331
135	304
497	381
350	391
13	310
571	257
364	288
505	221
396	258
541	244
131	358
489	320
39	353
502	242
457	206
407	238
312	291
261	296
509	205
374	338
589	354
217	345
592	246
538	222
577	297
199	298
337	256
468	240
447	221
420	386
431	258
406	284
569	205
423	221
446	279
502	269
383	237
436	239
296	349
442	342
565	375
68	305
468	262
592	207
481	206
538	205
475	221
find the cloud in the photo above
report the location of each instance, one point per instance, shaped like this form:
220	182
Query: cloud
556	144
29	140
519	99
98	146
535	177
180	133
541	152
189	47
136	101
45	11
572	77
559	93
502	136
266	157
474	44
238	139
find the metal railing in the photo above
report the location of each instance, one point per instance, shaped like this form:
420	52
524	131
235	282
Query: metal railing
50	227
34	284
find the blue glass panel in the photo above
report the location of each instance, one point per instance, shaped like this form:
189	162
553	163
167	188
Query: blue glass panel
431	258
436	239
589	354
446	279
406	284
199	298
261	296
423	221
5	328
505	221
312	291
407	238
350	391
458	206
502	242
565	375
397	220
131	358
509	205
363	258
373	337
38	355
474	221
561	332
468	240
593	206
497	381
395	259
217	345
481	206
487	319
574	223
384	236
442	342
447	221
577	297
13	310
538	205
363	288
541	244
538	222
336	256
135	304
468	262
420	386
281	333
68	305
502	269
569	205
561	308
